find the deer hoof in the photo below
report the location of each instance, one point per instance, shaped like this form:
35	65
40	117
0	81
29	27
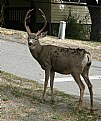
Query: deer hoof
92	110
43	100
80	108
52	100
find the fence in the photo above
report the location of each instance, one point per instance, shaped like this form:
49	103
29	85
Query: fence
14	17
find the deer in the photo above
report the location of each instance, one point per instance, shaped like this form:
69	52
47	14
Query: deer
74	61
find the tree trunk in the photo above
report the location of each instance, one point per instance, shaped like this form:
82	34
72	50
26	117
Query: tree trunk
95	13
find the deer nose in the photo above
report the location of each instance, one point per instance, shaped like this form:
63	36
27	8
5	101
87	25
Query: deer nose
29	43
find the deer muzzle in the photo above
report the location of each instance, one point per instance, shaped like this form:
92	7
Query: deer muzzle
30	42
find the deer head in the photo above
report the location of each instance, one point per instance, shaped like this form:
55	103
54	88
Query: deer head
34	37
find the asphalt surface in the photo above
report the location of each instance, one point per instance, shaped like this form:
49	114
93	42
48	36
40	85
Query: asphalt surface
16	59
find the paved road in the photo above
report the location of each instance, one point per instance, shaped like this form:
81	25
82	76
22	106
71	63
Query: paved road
16	59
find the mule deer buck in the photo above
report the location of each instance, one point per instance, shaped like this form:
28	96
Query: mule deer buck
59	59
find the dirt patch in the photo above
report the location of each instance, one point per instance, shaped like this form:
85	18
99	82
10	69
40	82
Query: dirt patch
21	37
21	101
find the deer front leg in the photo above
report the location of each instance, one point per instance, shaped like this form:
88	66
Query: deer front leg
47	71
52	74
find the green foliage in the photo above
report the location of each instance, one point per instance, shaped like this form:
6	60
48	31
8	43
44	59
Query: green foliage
75	28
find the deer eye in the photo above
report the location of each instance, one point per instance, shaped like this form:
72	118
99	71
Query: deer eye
29	38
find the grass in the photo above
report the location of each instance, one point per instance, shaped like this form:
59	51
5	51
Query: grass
21	101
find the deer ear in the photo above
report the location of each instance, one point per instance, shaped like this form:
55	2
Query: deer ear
43	34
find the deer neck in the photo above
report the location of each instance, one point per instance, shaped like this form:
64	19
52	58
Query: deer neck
38	47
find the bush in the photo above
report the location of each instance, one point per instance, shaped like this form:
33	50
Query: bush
75	28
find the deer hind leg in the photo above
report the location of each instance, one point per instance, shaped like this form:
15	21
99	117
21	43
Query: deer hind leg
86	78
81	87
52	74
47	71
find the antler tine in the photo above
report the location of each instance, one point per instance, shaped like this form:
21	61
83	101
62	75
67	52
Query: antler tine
43	15
27	17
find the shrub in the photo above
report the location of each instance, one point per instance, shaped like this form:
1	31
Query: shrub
75	28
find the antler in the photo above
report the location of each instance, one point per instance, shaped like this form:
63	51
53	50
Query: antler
43	15
27	17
